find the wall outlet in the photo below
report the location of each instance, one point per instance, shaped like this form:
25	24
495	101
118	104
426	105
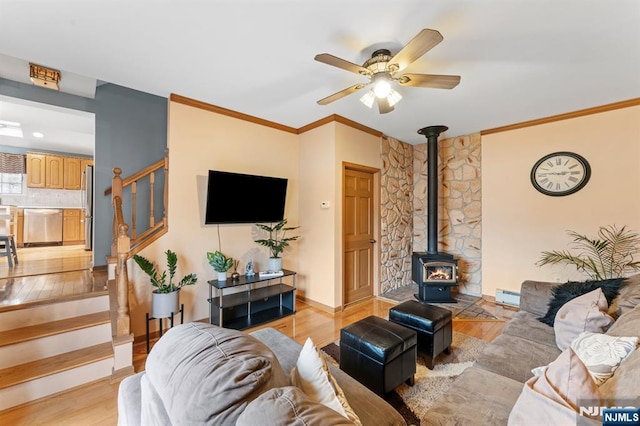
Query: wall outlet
325	204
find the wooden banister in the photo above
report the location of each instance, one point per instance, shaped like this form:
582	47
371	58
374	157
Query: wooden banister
139	175
125	246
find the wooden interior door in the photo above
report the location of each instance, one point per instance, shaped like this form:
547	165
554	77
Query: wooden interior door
358	234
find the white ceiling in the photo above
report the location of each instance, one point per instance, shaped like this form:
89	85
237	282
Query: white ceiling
64	130
519	59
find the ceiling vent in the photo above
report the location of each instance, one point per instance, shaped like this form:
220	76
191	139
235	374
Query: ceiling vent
44	77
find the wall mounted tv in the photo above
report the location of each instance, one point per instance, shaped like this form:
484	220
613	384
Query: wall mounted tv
240	198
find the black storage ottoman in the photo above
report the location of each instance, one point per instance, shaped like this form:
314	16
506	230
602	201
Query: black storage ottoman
378	353
432	323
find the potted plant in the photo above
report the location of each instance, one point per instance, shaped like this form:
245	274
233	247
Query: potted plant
609	255
165	299
220	263
277	242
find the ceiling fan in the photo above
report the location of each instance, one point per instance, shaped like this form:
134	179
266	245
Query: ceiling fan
382	70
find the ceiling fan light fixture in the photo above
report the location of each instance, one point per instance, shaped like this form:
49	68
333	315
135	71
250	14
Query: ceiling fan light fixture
393	97
382	87
368	98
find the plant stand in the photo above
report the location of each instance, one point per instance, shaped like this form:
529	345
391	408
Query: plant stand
149	319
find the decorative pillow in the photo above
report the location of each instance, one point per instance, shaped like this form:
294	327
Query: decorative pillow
206	374
584	313
570	290
288	406
552	398
602	354
312	375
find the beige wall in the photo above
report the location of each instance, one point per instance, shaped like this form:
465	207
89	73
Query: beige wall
199	140
323	151
317	182
519	222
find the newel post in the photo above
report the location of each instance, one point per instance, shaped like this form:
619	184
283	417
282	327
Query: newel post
122	281
116	191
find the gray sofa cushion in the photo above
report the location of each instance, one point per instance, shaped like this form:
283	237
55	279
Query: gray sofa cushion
525	325
205	374
288	406
370	408
477	397
514	357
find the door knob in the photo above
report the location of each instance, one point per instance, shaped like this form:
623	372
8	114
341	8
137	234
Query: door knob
372	241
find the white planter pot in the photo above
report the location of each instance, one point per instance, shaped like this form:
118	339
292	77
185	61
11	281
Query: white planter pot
222	276
164	304
275	264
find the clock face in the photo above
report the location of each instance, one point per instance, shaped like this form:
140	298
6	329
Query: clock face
560	173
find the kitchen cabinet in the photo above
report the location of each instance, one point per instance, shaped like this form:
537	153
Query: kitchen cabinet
54	172
71	226
36	170
72	172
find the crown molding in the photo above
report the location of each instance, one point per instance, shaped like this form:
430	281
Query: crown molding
565	116
235	114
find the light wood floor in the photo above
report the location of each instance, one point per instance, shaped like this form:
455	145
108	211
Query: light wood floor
95	404
48	272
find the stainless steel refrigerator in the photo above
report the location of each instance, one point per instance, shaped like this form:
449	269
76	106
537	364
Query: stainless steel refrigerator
87	207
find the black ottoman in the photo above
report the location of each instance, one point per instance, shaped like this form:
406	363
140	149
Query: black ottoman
432	323
378	353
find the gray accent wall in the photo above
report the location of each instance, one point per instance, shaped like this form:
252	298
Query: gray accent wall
131	133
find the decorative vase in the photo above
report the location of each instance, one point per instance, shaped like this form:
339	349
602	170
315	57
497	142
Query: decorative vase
222	276
275	264
235	276
165	304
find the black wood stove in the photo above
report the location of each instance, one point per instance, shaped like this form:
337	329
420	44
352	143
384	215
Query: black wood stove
434	272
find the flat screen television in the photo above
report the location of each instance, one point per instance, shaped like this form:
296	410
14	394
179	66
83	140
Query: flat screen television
241	198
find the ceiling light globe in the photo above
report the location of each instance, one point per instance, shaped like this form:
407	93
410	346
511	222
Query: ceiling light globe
382	88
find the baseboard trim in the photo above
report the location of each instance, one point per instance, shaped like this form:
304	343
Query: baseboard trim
318	305
118	375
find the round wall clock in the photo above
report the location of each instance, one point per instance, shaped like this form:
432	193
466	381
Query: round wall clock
560	173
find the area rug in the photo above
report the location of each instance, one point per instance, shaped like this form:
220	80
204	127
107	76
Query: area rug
465	308
413	402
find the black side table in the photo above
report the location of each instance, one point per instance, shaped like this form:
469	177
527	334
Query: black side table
160	322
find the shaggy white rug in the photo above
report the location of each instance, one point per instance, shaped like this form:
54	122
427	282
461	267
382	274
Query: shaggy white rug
413	402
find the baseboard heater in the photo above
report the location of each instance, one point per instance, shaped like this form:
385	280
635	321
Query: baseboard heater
507	297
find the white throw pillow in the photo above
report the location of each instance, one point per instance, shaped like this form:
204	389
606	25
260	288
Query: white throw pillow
312	375
602	354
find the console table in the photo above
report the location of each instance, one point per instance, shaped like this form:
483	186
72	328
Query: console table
251	301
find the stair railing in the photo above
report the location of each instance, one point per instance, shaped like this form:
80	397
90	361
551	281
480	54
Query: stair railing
124	246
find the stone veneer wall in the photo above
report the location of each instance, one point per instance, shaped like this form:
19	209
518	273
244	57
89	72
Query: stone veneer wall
459	209
396	213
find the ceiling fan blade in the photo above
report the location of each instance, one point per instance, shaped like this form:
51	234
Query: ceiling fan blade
383	105
418	46
328	59
434	81
341	94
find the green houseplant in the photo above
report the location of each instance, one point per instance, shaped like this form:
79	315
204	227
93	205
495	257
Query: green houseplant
277	241
220	263
611	254
165	298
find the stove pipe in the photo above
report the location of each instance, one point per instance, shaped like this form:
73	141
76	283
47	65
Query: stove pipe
432	133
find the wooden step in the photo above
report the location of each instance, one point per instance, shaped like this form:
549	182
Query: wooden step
32	332
52	310
56	364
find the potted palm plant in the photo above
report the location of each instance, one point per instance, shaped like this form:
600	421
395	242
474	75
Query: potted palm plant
277	241
220	263
165	299
610	254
